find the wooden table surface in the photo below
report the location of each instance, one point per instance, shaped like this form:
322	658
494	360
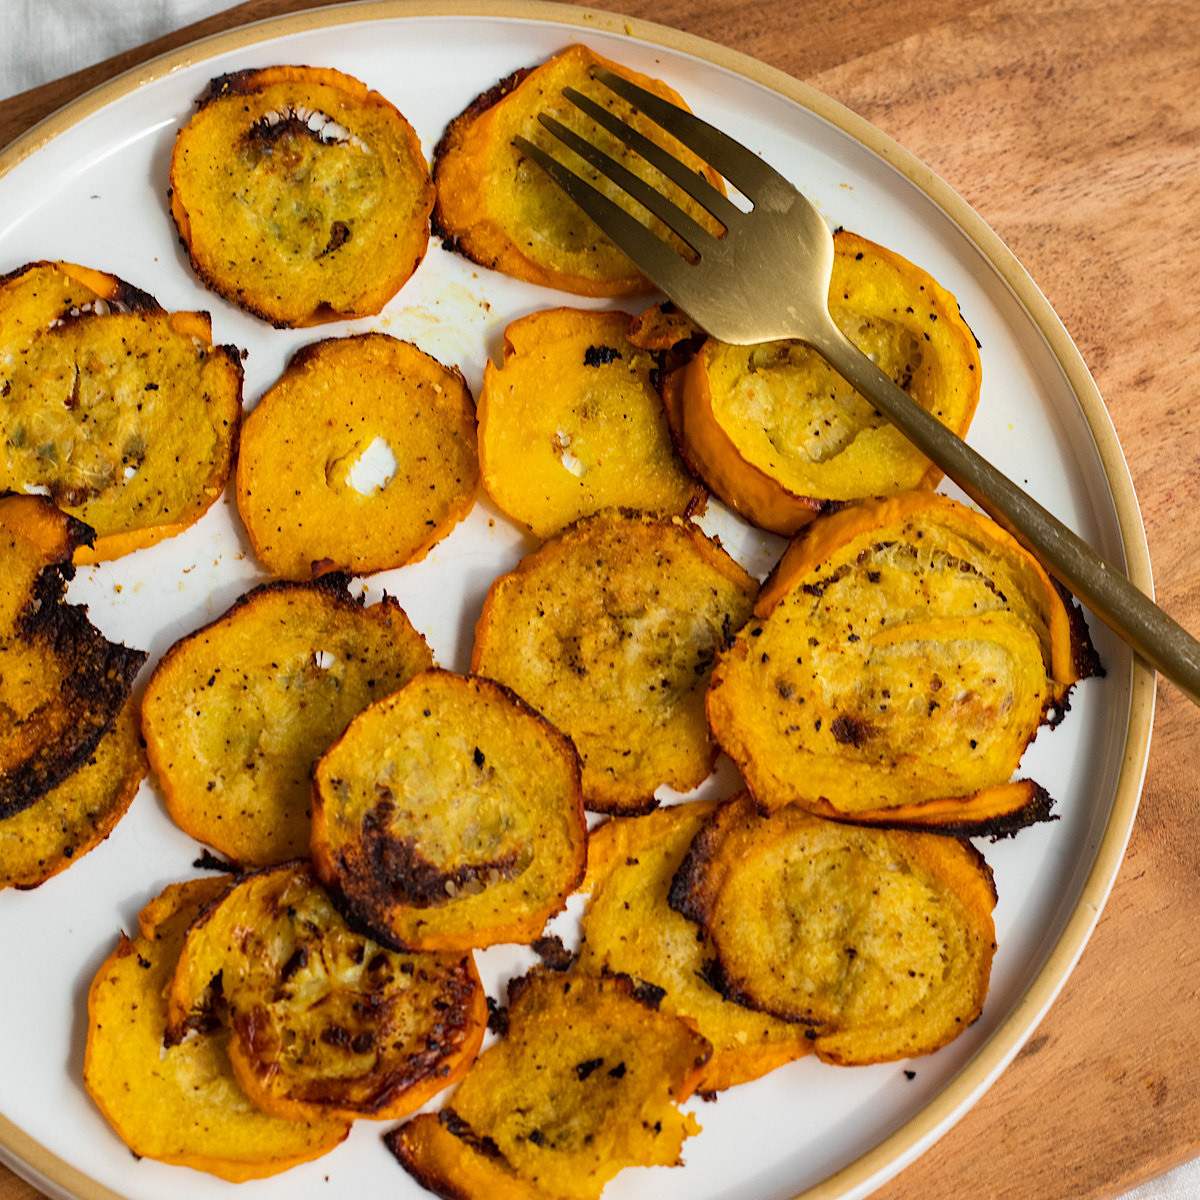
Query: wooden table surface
1073	128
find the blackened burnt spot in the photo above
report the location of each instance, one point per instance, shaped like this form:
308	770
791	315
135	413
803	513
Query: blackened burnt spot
339	235
584	1069
553	953
597	356
850	731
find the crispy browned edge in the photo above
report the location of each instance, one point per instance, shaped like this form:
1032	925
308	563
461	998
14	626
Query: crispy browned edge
101	680
450	138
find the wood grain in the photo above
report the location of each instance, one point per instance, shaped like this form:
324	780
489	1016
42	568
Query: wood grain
1073	129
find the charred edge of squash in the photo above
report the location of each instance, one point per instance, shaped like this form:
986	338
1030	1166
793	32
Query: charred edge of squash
686	893
1085	658
449	139
453	1123
553	953
649	994
103	678
431	1180
1038	808
714	974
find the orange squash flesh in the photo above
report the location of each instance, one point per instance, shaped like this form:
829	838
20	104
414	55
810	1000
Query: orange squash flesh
180	1105
501	211
304	491
780	437
570	423
630	929
237	713
903	651
879	942
585	1081
325	1022
302	196
125	414
449	816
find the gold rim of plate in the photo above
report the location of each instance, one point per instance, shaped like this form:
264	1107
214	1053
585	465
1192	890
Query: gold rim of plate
902	1147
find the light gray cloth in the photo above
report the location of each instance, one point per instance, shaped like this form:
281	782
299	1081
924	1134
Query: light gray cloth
42	40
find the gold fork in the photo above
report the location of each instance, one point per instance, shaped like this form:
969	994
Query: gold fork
767	278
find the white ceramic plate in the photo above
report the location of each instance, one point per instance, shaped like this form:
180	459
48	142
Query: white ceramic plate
89	186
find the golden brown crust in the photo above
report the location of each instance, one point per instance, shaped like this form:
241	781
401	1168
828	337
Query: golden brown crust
301	195
125	414
68	820
237	712
609	630
325	1022
181	1104
879	942
903	651
584	1082
305	491
630	929
499	210
449	816
570	423
781	438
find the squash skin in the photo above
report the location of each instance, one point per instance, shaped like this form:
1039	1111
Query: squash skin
180	1105
325	1023
500	211
609	631
335	399
941	597
570	423
879	942
780	437
237	713
139	411
449	816
364	226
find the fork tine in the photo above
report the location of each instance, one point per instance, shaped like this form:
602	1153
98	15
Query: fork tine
652	255
679	173
668	213
742	167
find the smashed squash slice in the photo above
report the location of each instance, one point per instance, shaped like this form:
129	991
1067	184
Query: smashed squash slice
236	714
180	1105
498	209
449	816
570	423
610	630
325	1022
124	414
76	815
301	195
62	683
630	929
903	651
878	942
358	459
778	435
584	1082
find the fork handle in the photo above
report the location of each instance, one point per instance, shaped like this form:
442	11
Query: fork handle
1155	636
